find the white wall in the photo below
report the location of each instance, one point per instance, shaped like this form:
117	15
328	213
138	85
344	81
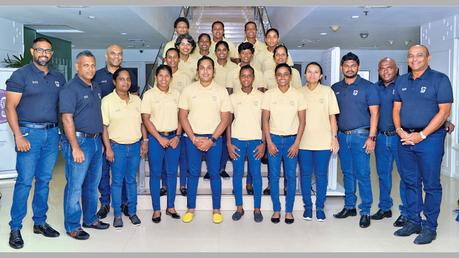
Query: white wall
12	39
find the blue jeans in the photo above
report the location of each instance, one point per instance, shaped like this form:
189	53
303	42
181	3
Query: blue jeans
314	161
355	165
420	166
36	163
104	185
183	161
282	143
386	152
212	156
246	150
124	170
82	181
225	157
160	159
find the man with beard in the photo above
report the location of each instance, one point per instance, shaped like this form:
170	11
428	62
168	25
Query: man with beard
358	102
31	109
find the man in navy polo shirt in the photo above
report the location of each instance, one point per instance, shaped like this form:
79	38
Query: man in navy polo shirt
358	102
422	105
104	79
31	110
80	106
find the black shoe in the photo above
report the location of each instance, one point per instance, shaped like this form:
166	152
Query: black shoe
79	234
275	220
207	176
183	191
162	191
174	215
135	220
408	229
103	211
267	191
98	225
425	237
344	213
45	230
289	221
401	221
224	175
124	209
156	219
118	222
16	241
381	215
364	221
237	215
249	189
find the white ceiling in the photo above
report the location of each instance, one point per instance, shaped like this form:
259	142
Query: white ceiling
149	26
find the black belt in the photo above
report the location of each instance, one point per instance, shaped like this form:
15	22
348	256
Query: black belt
413	130
38	125
388	133
168	133
356	131
285	136
87	135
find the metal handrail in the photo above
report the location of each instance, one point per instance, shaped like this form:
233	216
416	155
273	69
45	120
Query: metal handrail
263	18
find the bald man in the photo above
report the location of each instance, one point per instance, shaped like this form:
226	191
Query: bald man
104	78
422	104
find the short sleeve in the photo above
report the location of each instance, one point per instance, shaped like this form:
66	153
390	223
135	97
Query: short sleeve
226	102
145	105
105	107
445	91
333	107
265	104
67	101
372	95
184	99
16	83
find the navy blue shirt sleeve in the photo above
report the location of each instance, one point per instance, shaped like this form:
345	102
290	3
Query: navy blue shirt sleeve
16	83
372	95
445	91
67	101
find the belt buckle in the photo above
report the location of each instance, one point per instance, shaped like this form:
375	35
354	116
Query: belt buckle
166	133
347	132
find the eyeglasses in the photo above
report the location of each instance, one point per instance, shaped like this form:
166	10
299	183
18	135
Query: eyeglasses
42	50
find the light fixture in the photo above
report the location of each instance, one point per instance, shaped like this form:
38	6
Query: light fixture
91	17
391	42
123	33
355	16
335	27
323	33
364	35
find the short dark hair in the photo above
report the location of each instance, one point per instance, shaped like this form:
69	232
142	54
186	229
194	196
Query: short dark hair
181	19
173	49
249	22
272	29
221	42
278	47
203	35
218	22
247	67
41	39
165	68
189	38
245	46
86	53
116	74
283	65
203	58
350	56
316	64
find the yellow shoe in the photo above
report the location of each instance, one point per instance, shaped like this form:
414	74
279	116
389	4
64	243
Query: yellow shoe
188	217
217	218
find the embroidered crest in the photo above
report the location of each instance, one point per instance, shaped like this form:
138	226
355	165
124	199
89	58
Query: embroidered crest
355	92
423	89
57	83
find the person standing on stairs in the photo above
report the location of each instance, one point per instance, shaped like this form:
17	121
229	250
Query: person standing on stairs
181	27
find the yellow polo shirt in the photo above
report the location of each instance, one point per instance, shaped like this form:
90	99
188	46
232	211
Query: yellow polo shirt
205	105
247	115
232	80
196	55
271	82
170	44
189	66
267	60
162	108
123	120
222	72
232	49
284	109
321	104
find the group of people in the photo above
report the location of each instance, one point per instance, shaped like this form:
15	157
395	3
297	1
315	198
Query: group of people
221	102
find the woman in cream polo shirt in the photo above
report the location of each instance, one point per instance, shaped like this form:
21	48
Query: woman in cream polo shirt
319	139
160	117
280	56
186	46
122	133
284	111
204	115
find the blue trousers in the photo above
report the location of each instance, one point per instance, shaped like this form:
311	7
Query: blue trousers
420	167
246	151
355	165
104	185
225	157
212	156
282	143
124	169
160	159
386	152
183	161
36	163
314	161
82	181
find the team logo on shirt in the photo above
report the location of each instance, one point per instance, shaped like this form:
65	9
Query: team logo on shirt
34	82
403	89
355	92
423	89
57	84
292	103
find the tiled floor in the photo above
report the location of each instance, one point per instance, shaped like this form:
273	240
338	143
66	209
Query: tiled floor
242	236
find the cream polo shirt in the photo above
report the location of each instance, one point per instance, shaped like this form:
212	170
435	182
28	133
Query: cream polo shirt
162	108
205	105
232	80
179	81
267	60
122	119
189	66
247	115
271	82
232	49
284	109
321	104
222	72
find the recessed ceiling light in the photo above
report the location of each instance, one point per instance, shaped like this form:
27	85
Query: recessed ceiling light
300	46
91	17
355	16
123	33
323	33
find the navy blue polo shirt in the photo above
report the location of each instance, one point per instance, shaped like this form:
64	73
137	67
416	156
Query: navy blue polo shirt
40	93
420	97
104	79
386	97
353	102
83	101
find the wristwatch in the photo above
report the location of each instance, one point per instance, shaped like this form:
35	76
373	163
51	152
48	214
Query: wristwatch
213	139
373	138
423	136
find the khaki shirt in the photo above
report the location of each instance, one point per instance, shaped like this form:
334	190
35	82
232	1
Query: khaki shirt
189	66
247	115
271	82
179	81
162	108
222	72
233	53
232	80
